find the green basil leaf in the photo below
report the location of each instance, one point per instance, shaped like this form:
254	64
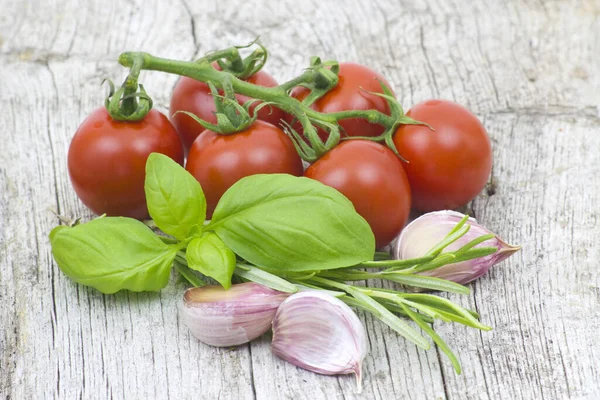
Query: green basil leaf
287	223
113	253
175	199
55	231
210	256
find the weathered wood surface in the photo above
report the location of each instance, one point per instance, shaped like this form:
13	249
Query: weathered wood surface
529	69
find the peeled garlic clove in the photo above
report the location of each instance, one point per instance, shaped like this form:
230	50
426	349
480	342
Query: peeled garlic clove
230	317
320	333
423	233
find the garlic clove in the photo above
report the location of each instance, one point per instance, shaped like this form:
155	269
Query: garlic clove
320	333
423	233
223	318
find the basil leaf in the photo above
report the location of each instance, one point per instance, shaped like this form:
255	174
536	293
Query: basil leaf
287	223
175	199
210	256
113	253
55	231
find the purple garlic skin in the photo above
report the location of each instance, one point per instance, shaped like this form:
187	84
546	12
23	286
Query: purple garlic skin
224	318
426	231
318	332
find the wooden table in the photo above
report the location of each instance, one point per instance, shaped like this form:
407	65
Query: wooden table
529	69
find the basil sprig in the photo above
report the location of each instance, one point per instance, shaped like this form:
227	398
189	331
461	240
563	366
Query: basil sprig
274	221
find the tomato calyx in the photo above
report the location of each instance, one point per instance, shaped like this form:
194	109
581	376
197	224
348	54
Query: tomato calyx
397	118
127	103
232	117
316	147
230	60
319	78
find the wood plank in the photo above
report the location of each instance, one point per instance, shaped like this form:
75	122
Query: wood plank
542	302
529	70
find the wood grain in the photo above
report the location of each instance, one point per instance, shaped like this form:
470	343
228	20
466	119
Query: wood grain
529	69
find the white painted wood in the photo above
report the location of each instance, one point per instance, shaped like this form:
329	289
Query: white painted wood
530	70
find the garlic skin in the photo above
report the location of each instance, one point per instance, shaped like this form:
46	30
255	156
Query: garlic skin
423	233
223	318
318	332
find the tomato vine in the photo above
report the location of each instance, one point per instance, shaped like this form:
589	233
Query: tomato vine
319	77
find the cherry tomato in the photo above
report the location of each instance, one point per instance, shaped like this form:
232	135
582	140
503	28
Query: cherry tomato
372	177
107	160
218	161
351	93
447	167
195	97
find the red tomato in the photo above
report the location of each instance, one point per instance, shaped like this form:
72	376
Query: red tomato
219	161
447	167
195	97
107	160
372	177
350	93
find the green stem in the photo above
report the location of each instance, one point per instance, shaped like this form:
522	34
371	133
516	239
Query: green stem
276	95
130	103
231	54
350	275
352	302
306	77
204	72
409	262
373	116
168	239
452	237
181	258
382	256
188	274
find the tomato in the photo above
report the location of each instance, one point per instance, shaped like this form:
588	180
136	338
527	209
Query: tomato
107	160
350	93
195	97
218	161
372	177
447	167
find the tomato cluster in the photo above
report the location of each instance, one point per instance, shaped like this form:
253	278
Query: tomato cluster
447	159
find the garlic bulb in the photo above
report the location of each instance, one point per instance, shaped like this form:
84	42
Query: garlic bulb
426	231
320	333
230	317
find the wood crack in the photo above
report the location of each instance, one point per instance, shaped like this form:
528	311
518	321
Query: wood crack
442	372
52	268
592	112
428	61
252	382
481	361
186	7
